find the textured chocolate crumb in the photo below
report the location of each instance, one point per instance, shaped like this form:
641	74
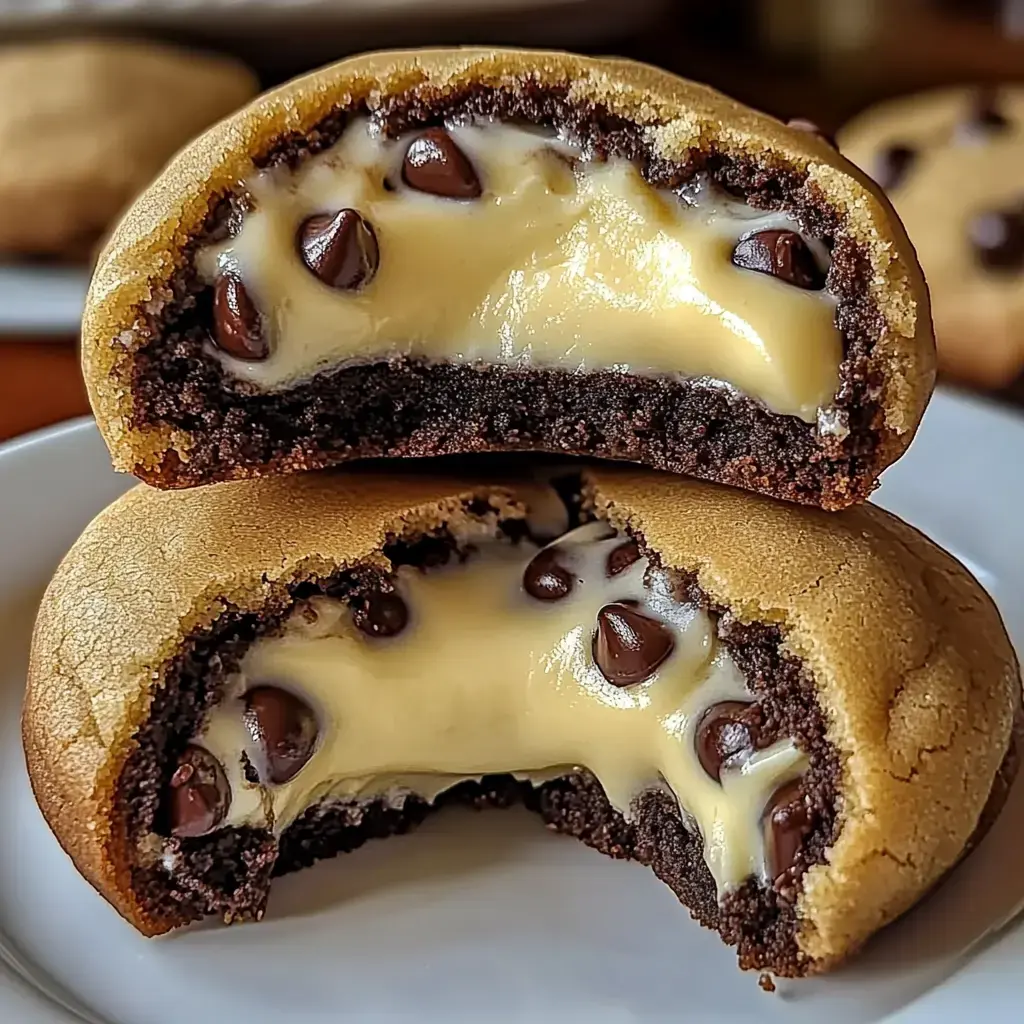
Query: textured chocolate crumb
405	407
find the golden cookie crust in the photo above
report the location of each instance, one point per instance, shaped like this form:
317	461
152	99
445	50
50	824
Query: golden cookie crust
915	674
148	246
86	124
978	313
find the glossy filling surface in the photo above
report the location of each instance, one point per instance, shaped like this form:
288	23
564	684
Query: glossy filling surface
511	659
499	244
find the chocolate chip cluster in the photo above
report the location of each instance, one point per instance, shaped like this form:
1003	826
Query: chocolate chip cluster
341	249
283	728
629	646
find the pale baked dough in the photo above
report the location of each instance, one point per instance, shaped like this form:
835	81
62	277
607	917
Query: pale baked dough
914	672
132	282
979	313
85	125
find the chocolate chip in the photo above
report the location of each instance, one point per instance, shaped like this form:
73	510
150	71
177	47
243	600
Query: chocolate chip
341	249
629	646
433	552
781	253
984	117
790	818
998	238
237	324
622	557
285	729
725	731
892	165
200	794
381	613
427	552
801	124
545	579
435	164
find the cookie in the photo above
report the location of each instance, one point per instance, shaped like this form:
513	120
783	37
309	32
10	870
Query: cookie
84	127
229	683
443	251
952	162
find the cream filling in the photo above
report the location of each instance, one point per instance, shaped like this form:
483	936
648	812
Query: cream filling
583	269
486	679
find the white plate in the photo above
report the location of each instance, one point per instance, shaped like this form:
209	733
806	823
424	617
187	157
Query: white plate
40	299
487	916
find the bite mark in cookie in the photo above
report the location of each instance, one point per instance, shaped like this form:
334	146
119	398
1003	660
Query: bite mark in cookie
492	675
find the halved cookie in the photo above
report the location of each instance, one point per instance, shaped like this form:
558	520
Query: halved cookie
424	253
800	721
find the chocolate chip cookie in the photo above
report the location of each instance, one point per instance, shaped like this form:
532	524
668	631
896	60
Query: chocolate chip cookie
85	125
435	252
280	670
952	162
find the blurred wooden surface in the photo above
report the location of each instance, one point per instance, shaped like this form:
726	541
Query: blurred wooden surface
40	384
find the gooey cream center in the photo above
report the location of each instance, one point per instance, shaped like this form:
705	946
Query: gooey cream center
552	267
487	679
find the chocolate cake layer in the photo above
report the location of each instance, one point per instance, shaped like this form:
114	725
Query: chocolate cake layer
199	421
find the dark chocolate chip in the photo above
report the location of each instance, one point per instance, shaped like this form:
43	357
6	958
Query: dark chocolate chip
285	729
435	164
998	238
892	165
629	646
545	579
432	552
790	818
726	730
237	324
249	770
200	794
781	253
801	124
984	117
622	557
341	249
381	613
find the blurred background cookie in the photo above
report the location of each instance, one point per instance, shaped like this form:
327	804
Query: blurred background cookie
952	162
84	125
